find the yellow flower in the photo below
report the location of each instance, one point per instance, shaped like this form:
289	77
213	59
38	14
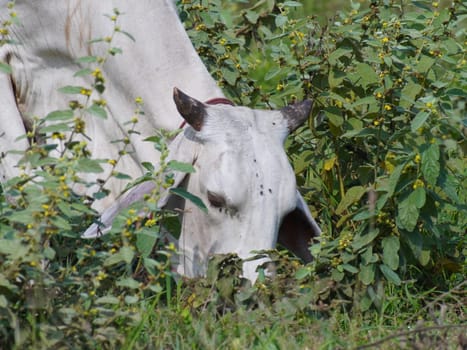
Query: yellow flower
418	183
150	222
418	158
387	107
138	100
85	92
385	40
379	95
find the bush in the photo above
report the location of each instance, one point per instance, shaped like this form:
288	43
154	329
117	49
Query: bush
382	161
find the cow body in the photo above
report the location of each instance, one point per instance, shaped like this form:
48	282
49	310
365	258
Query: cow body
53	34
242	172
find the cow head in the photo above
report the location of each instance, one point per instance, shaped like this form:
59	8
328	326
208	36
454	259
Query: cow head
244	178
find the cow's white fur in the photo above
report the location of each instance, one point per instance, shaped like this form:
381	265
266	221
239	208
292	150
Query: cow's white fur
54	33
237	154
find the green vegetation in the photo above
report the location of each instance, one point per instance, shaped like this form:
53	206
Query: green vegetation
381	163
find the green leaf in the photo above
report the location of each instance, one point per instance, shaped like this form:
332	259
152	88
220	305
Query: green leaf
302	273
98	111
128	283
125	254
408	94
145	241
418	197
390	275
424	257
87	165
430	164
252	16
128	35
229	75
350	268
425	64
367	273
352	195
5	68
122	176
419	120
109	299
407	213
272	73
337	275
87	59
362	240
334	115
61	127
367	74
391	247
192	198
61	223
66	114
148	166
281	20
71	89
180	166
82	72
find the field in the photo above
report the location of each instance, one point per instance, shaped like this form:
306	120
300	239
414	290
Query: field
381	164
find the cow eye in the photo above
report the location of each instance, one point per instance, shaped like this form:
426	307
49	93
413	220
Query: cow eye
216	200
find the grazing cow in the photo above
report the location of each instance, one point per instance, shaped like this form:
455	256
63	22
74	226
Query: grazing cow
242	172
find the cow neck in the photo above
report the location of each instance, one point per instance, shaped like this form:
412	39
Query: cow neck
213	101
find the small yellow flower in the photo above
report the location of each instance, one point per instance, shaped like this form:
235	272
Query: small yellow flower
418	183
150	223
429	104
85	92
138	100
379	95
101	275
417	158
200	27
134	120
435	4
385	40
33	263
387	107
3	31
112	162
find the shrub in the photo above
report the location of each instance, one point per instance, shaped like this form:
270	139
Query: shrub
381	162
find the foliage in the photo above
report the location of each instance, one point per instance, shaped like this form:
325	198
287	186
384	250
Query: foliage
381	163
382	160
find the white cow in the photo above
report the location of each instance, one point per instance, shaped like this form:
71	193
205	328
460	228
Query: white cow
242	172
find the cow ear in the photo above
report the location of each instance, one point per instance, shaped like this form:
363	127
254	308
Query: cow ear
297	113
192	110
298	229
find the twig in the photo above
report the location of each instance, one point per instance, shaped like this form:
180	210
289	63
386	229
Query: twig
414	331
